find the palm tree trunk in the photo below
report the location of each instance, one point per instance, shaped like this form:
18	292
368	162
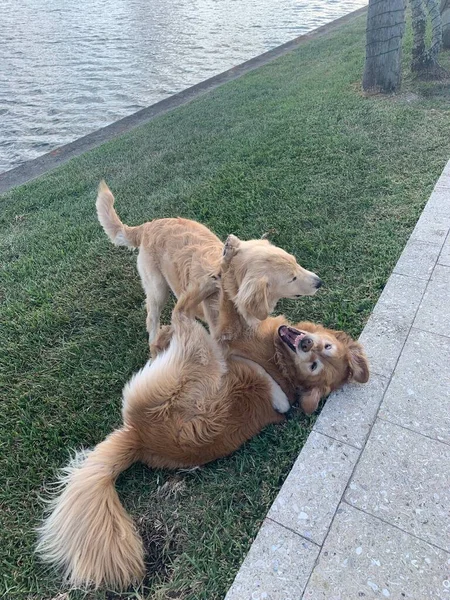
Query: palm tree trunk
424	61
445	16
385	28
419	24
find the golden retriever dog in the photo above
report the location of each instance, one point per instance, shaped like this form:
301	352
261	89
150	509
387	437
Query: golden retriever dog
195	402
175	254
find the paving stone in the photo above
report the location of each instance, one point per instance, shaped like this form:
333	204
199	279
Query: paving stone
444	257
432	227
277	566
364	558
434	312
439	201
416	397
403	478
387	328
350	412
444	179
383	341
418	259
446	171
314	487
400	299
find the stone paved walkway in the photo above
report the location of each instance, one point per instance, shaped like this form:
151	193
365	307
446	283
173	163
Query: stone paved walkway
365	511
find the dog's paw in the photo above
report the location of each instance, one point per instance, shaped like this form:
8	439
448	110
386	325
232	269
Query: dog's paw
230	249
280	403
226	336
162	341
211	285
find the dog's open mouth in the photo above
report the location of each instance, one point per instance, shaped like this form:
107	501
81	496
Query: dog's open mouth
291	336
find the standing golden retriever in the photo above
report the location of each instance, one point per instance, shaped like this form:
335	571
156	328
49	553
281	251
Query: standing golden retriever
196	402
175	254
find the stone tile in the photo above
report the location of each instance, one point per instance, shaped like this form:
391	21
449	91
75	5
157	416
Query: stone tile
383	341
439	201
400	299
444	257
434	312
444	179
387	328
446	171
277	566
314	487
418	259
432	227
349	413
418	396
366	558
403	478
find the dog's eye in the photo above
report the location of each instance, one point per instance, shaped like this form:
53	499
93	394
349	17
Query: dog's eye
295	279
327	346
314	366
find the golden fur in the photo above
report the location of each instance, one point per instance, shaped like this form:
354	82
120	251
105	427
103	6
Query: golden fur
179	254
197	401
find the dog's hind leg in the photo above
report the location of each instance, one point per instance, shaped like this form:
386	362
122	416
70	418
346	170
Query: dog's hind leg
188	375
202	369
156	290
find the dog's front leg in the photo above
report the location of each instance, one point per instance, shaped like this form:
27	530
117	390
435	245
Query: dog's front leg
197	293
162	341
230	325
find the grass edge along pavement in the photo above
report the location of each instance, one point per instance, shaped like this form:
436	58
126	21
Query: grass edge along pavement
292	146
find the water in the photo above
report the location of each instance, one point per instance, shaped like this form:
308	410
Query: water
68	68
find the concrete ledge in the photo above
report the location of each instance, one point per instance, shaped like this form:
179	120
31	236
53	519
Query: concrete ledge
411	401
349	413
388	326
323	463
278	565
392	485
365	559
34	168
382	447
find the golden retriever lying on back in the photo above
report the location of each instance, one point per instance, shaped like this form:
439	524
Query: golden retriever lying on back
194	403
182	255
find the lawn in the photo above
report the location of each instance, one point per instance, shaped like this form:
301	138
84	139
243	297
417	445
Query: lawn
293	147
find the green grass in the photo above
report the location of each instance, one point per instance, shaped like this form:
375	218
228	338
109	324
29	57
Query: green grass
293	146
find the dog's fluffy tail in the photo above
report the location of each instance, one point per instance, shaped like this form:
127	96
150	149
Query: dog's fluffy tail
118	233
88	533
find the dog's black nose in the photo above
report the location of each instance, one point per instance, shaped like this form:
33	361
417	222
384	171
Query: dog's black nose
306	344
319	283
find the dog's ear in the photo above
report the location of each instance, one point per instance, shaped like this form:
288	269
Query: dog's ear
358	363
251	300
310	400
357	360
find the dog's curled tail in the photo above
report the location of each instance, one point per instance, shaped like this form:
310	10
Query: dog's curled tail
88	533
118	233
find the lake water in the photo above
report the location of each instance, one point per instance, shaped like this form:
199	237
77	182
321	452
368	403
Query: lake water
68	68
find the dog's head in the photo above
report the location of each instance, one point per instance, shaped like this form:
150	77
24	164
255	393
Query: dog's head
261	274
320	360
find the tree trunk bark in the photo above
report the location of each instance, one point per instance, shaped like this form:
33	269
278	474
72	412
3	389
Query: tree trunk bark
384	33
424	62
445	16
436	28
419	24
